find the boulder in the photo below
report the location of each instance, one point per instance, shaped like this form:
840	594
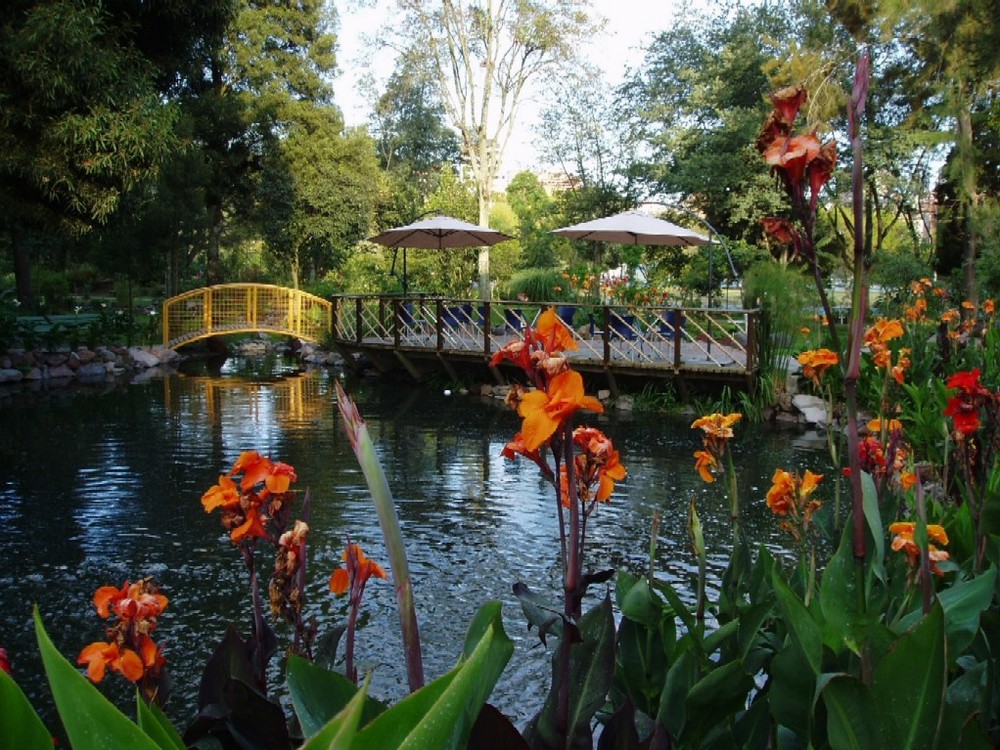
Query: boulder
813	409
143	358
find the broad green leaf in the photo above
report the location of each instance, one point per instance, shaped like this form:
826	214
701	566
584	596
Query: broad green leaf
869	500
963	604
681	676
640	605
340	731
90	719
801	626
715	699
642	664
20	725
441	714
851	715
791	691
155	723
319	694
908	685
591	667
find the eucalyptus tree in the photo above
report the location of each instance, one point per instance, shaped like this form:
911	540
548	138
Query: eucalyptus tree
84	118
483	54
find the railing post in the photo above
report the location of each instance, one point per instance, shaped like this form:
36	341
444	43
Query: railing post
487	325
359	315
206	309
606	333
752	340
678	335
397	321
439	322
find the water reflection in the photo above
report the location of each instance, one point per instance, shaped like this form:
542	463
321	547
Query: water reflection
105	487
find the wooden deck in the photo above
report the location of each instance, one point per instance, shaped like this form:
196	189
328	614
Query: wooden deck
423	335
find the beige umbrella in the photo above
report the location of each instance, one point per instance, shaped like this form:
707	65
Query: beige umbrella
437	233
633	228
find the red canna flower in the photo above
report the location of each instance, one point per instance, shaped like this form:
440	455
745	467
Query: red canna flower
964	407
4	661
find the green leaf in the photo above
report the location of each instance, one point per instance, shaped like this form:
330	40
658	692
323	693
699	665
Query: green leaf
90	720
642	664
801	626
715	699
591	667
441	714
639	604
963	604
340	731
851	715
20	725
319	694
155	723
791	691
908	685
869	501
681	676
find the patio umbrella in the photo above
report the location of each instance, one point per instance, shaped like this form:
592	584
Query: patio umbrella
437	233
633	228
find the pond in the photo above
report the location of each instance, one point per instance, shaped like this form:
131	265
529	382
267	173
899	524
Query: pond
105	486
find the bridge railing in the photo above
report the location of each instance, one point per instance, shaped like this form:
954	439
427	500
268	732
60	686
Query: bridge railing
244	308
656	336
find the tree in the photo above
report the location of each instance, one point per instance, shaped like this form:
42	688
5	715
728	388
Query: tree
319	192
84	119
247	93
482	55
698	102
533	208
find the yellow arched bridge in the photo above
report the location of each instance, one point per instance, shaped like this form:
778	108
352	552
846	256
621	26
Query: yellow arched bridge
244	308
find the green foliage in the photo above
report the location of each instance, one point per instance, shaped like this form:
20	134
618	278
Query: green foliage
538	285
781	293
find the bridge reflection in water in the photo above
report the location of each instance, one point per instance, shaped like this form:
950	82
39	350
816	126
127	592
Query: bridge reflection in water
422	333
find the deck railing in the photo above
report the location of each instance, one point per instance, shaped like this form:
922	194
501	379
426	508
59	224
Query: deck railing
648	336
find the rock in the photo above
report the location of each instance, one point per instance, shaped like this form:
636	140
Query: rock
625	403
59	372
603	395
786	419
486	390
9	375
142	358
812	408
92	371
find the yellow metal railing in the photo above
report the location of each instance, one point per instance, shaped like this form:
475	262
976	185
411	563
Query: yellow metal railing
244	308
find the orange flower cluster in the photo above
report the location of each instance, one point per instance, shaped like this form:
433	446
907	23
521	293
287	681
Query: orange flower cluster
597	468
558	392
791	496
129	649
263	492
904	542
877	340
717	430
815	363
884	453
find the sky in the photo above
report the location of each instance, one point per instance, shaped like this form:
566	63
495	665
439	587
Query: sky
631	24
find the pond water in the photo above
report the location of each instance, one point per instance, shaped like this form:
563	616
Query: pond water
104	486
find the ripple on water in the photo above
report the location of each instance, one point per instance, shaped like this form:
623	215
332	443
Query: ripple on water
122	502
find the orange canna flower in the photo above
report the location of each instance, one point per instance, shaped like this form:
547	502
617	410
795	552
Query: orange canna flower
950	316
706	465
359	569
793	154
99	656
789	496
545	411
222	495
598	467
903	541
717	425
890	425
553	334
815	363
989	307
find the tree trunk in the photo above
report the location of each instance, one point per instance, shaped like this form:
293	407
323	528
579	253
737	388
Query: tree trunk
212	270
22	269
967	196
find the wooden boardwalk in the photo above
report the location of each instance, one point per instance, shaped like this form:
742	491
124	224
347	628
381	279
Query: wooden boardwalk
423	335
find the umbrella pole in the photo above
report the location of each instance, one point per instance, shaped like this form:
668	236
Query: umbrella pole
405	280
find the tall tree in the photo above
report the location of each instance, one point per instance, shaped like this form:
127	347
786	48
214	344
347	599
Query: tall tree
83	118
245	94
483	54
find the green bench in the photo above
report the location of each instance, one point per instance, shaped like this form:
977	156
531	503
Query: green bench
45	323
